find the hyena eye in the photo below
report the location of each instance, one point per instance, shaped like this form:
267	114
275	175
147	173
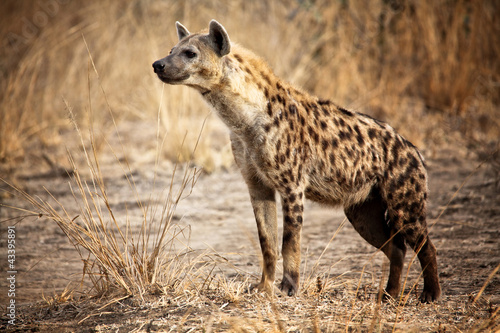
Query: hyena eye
190	54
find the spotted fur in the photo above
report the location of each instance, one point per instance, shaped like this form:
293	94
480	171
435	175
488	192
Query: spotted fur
287	141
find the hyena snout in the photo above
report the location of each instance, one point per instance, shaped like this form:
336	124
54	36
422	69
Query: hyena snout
158	66
170	72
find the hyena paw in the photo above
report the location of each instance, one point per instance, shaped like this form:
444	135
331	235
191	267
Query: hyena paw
429	296
262	287
390	294
289	287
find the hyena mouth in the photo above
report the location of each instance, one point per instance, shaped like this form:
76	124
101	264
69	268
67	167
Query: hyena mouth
160	70
170	79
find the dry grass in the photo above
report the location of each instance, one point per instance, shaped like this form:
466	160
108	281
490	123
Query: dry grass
434	63
119	257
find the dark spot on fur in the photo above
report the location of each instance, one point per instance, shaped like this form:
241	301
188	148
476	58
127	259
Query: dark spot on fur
415	207
293	109
276	121
345	135
342	122
302	120
325	110
335	143
248	70
316	138
323	124
346	112
332	158
266	92
372	133
413	162
324	144
284	178
359	136
269	109
311	131
287	236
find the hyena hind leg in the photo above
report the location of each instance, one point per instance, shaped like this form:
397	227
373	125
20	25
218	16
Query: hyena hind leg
427	255
369	220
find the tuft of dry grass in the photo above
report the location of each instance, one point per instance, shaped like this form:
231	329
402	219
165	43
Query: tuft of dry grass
117	258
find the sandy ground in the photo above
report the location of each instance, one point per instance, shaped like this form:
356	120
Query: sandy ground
219	217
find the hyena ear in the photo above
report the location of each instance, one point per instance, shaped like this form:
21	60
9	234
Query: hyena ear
219	38
181	30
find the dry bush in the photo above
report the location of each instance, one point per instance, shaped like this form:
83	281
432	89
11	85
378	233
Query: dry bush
131	258
432	63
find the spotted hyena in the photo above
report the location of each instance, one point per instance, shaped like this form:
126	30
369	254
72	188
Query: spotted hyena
287	141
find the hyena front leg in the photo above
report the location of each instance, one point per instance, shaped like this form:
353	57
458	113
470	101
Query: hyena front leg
293	209
264	207
263	200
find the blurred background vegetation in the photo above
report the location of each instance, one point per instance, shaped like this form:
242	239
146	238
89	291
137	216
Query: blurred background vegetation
430	68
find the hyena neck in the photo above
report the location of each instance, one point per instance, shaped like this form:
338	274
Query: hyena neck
240	98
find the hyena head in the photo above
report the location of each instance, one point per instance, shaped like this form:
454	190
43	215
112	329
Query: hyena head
196	60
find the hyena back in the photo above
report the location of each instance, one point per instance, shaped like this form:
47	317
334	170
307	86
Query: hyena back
289	142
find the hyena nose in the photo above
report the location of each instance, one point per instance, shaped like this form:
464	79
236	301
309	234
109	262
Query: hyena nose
158	66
